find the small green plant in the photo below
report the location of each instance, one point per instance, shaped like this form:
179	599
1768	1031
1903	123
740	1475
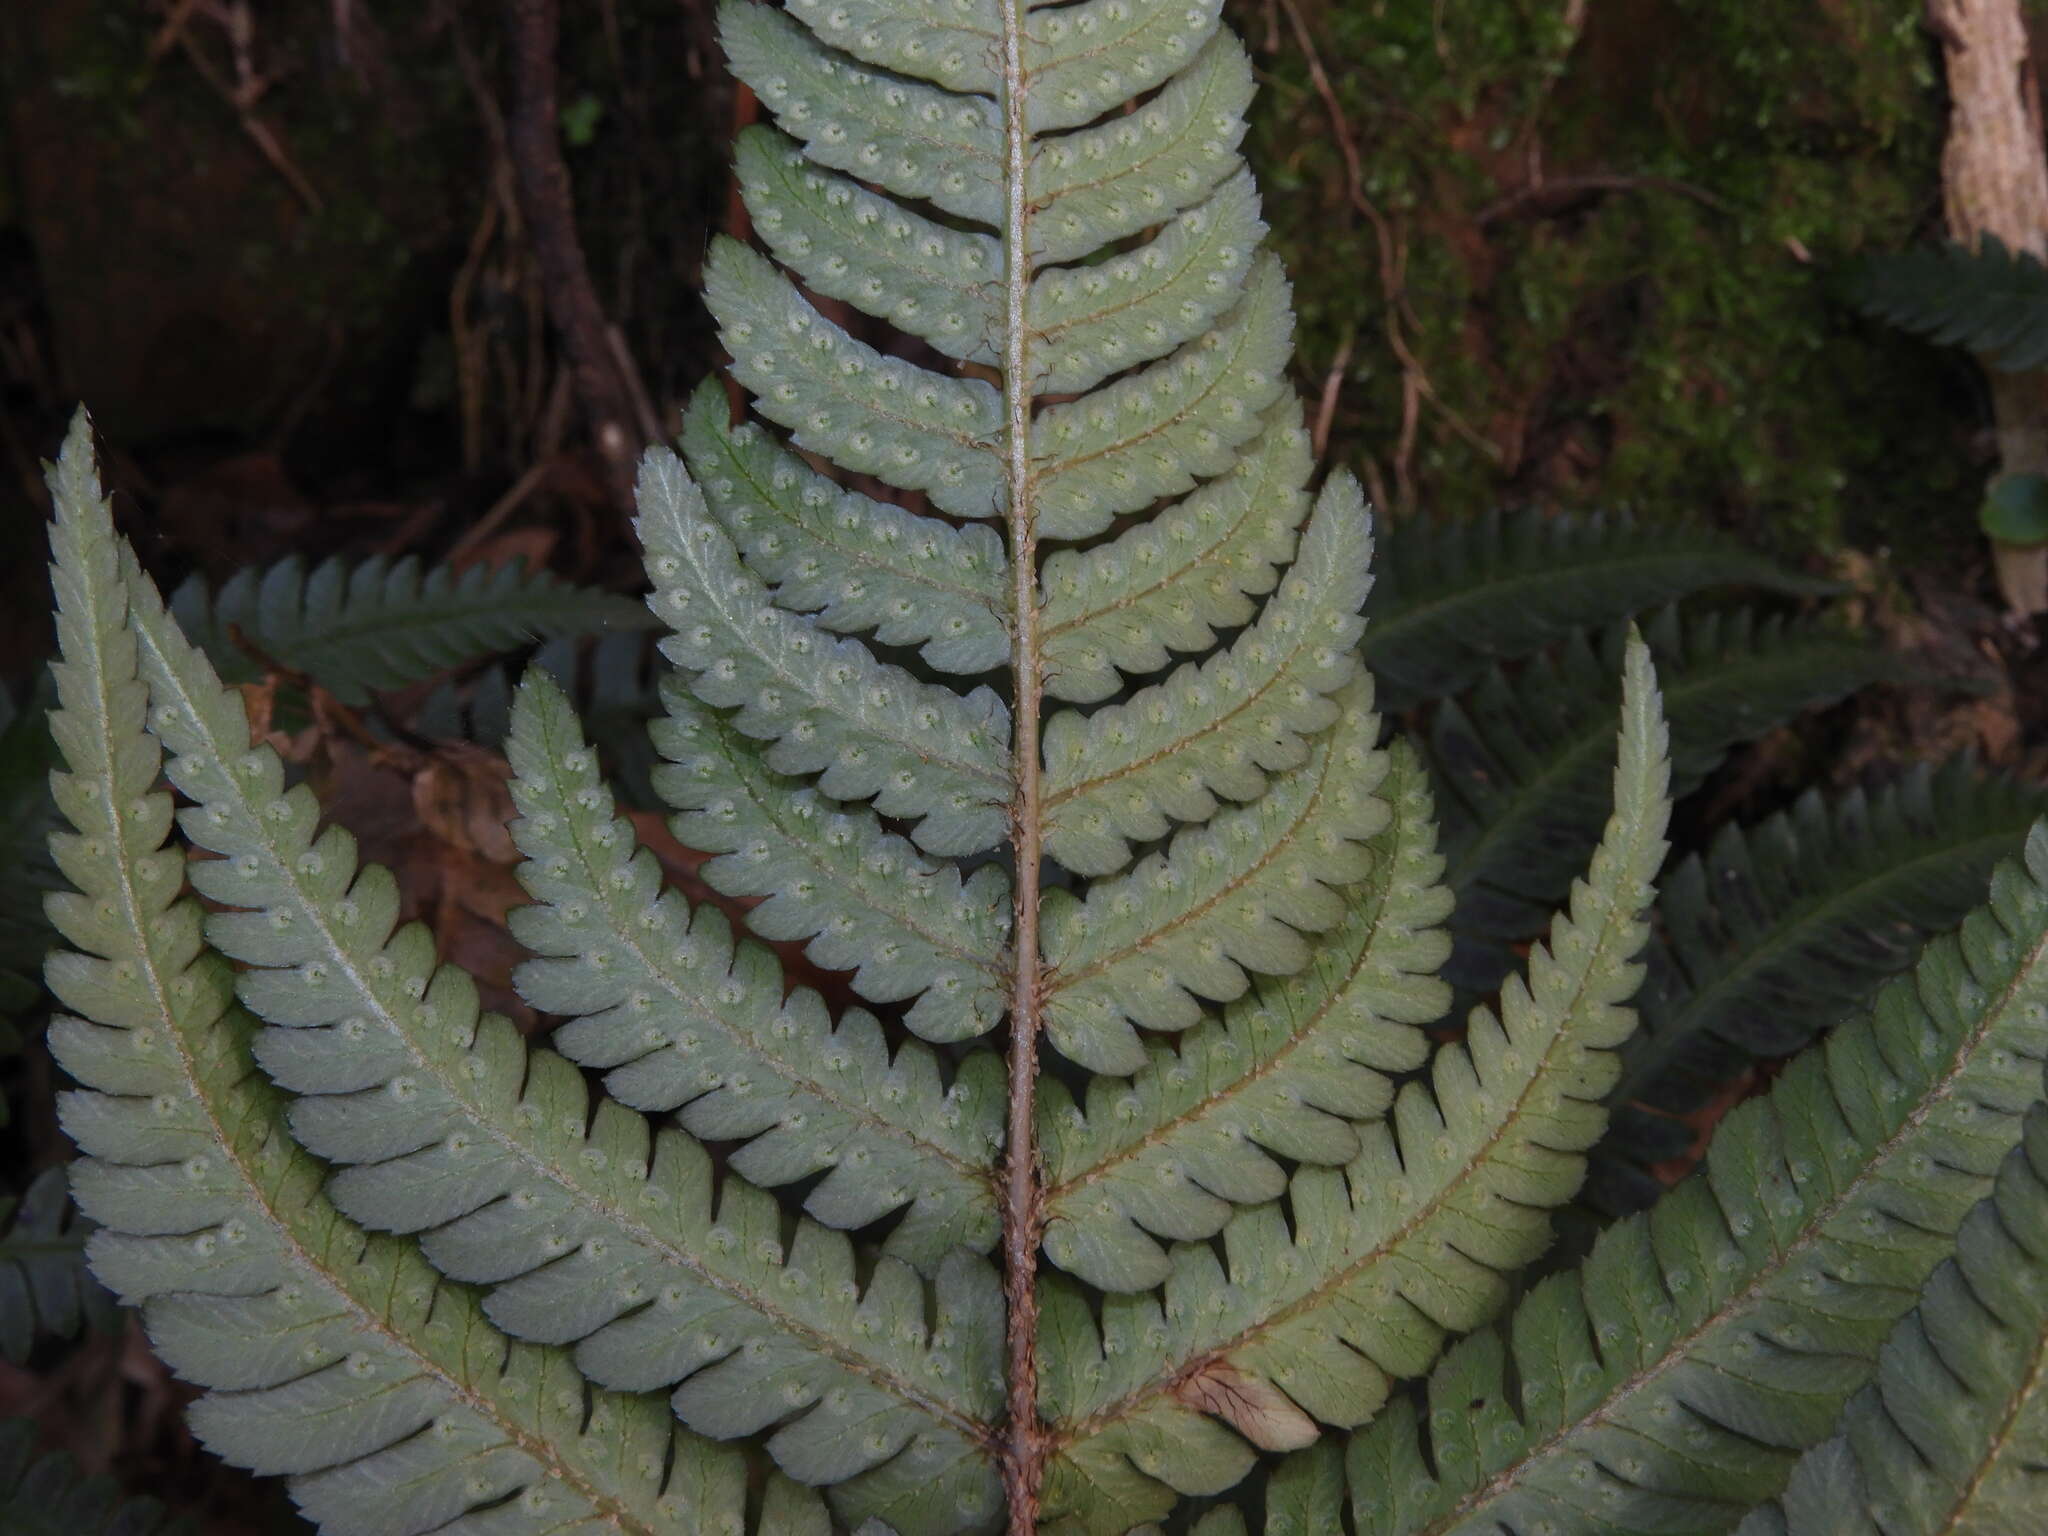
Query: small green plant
1140	1184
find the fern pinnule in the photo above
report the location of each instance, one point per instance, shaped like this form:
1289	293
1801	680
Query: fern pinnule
1453	597
1992	301
1412	1239
1214	732
1953	1434
1674	1375
1171	583
866	727
45	1288
382	624
865	900
858	564
1289	1071
334	1356
1233	896
685	1019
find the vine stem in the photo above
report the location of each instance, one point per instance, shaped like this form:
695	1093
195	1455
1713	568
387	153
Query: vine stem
1023	1194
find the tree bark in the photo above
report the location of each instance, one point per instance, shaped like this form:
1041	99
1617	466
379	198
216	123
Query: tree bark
1994	174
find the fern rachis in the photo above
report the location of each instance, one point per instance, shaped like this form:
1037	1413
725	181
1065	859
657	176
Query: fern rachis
1135	1177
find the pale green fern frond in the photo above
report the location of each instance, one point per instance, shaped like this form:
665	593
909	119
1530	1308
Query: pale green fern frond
872	413
1133	170
869	729
856	563
588	1228
1228	898
1095	320
382	624
688	1020
1171	583
1952	1437
906	926
1288	1071
334	1357
1154	432
1217	728
1309	1319
1673	1378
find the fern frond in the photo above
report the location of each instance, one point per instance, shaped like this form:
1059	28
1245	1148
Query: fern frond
876	414
1673	1377
1170	584
858	564
1218	727
1519	762
1101	183
381	624
1225	899
1286	1072
1780	930
1953	1434
1992	301
897	133
46	1290
865	900
686	1019
587	1227
1099	319
1452	597
48	1496
868	728
1415	1237
931	281
27	815
333	1356
1152	433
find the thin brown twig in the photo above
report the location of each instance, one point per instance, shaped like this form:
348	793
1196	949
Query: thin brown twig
534	138
1569	188
241	95
1333	383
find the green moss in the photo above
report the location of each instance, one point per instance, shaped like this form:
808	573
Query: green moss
1666	336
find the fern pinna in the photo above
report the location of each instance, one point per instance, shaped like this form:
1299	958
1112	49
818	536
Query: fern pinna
1148	1175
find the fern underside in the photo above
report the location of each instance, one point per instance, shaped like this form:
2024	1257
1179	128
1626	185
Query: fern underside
1011	672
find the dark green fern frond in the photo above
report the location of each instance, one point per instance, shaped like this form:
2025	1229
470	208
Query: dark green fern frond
48	1496
26	818
1520	765
1453	597
1952	1437
45	1288
384	624
1670	1381
1992	301
610	680
1782	929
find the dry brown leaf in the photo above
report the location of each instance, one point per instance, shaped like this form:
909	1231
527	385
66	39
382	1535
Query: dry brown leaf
1251	1405
463	796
